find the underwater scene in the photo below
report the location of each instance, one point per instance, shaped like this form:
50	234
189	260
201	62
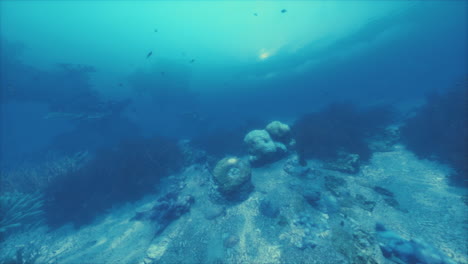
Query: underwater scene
233	132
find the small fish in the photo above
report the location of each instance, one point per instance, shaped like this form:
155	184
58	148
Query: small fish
284	11
156	30
149	54
120	84
255	14
192	60
162	73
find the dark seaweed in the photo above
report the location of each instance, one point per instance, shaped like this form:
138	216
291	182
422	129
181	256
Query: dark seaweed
116	175
439	131
340	127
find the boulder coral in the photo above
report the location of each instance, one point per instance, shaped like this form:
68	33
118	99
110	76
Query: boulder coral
270	144
232	175
279	132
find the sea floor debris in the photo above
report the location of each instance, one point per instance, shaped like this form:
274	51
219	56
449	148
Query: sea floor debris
283	220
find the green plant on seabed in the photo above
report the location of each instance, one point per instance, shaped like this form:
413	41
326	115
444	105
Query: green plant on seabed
20	210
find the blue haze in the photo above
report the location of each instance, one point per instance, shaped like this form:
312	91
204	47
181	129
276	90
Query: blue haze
267	66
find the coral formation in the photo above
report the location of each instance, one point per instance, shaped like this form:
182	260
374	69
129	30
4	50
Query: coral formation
261	147
271	144
279	132
231	174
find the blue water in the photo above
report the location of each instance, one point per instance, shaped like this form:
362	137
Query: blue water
126	82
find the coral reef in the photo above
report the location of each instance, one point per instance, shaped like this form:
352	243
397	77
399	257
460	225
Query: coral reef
269	145
280	132
262	148
232	176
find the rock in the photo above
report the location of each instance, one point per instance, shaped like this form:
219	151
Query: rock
333	184
383	191
347	163
401	250
294	168
214	211
306	232
166	210
365	203
312	197
268	209
356	244
392	202
384	142
231	241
